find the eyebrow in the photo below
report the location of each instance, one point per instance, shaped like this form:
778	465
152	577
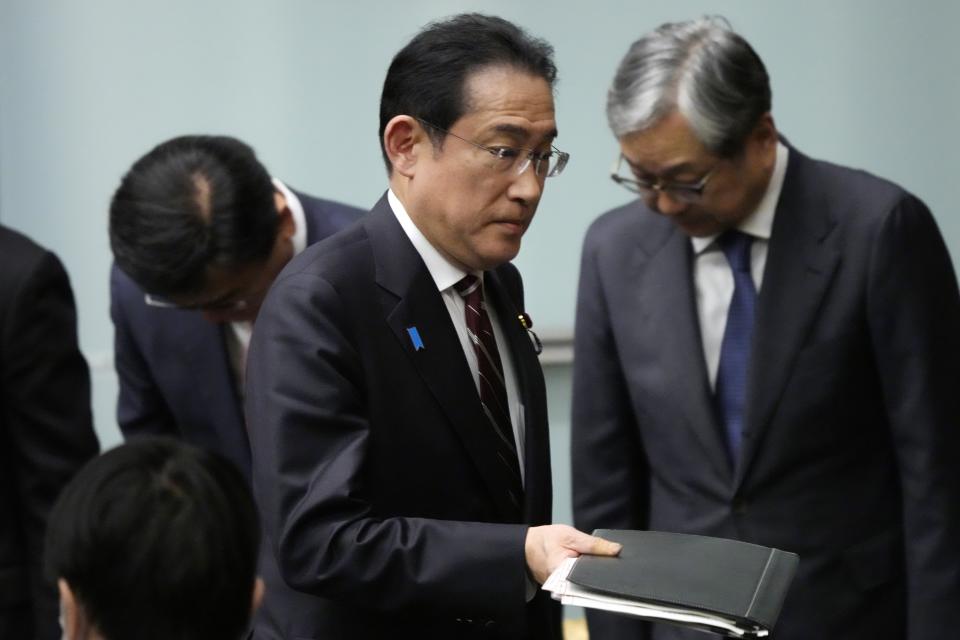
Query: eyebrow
521	132
680	167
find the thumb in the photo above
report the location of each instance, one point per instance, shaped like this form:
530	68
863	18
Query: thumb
595	546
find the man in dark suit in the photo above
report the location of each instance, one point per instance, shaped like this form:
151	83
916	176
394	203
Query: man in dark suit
46	429
767	349
198	224
396	405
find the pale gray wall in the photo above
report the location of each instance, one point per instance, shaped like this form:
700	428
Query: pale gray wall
87	87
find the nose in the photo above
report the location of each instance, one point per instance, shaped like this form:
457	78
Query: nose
662	202
527	187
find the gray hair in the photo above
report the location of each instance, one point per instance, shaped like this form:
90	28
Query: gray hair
700	68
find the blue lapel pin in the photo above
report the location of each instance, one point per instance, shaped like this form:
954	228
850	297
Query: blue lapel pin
415	338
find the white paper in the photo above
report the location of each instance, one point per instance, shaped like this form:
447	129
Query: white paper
568	593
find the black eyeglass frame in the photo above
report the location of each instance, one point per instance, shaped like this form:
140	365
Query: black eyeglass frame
687	193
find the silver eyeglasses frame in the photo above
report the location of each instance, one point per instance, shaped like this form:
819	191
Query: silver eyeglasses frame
538	159
162	303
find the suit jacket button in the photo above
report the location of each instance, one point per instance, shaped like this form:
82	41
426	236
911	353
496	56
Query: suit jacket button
740	506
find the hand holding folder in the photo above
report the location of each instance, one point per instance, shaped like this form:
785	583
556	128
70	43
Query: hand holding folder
547	546
713	584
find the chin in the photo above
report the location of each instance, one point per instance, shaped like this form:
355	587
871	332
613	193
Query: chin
701	228
697	231
505	257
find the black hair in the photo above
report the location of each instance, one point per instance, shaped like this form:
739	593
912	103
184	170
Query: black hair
427	77
190	203
157	540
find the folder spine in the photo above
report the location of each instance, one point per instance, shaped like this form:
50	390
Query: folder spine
772	587
760	581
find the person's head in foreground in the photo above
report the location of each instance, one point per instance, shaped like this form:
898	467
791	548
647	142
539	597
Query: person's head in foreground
155	539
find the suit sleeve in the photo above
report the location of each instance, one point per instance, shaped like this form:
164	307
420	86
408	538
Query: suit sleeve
608	463
141	409
914	315
46	410
306	406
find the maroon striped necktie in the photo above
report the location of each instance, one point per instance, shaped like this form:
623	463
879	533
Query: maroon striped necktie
493	390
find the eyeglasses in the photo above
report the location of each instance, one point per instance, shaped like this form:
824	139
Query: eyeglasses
545	164
681	192
165	303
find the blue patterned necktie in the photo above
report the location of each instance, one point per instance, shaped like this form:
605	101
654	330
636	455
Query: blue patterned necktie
731	388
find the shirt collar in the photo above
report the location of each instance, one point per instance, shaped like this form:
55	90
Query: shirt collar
444	273
758	224
299	238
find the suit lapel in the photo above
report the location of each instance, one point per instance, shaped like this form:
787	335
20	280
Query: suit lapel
203	346
415	302
666	308
538	488
801	260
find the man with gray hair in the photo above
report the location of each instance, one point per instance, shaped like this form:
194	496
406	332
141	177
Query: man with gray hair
767	349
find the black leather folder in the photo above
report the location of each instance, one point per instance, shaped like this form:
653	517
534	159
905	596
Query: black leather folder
725	586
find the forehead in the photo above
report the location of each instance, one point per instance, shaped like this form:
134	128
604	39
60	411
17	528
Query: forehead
502	96
668	144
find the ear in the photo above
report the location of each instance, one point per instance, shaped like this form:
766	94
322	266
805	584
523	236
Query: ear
74	620
763	140
403	141
258	589
765	131
287	227
279	201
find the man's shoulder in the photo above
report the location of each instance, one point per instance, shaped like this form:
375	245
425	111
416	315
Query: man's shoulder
340	256
132	315
22	259
334	279
313	203
124	292
121	284
18	253
850	190
628	224
325	217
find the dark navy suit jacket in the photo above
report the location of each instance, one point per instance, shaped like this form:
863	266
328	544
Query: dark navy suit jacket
851	440
173	366
376	473
46	428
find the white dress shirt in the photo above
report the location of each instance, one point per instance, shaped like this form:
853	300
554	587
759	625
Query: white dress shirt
238	335
713	278
445	275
